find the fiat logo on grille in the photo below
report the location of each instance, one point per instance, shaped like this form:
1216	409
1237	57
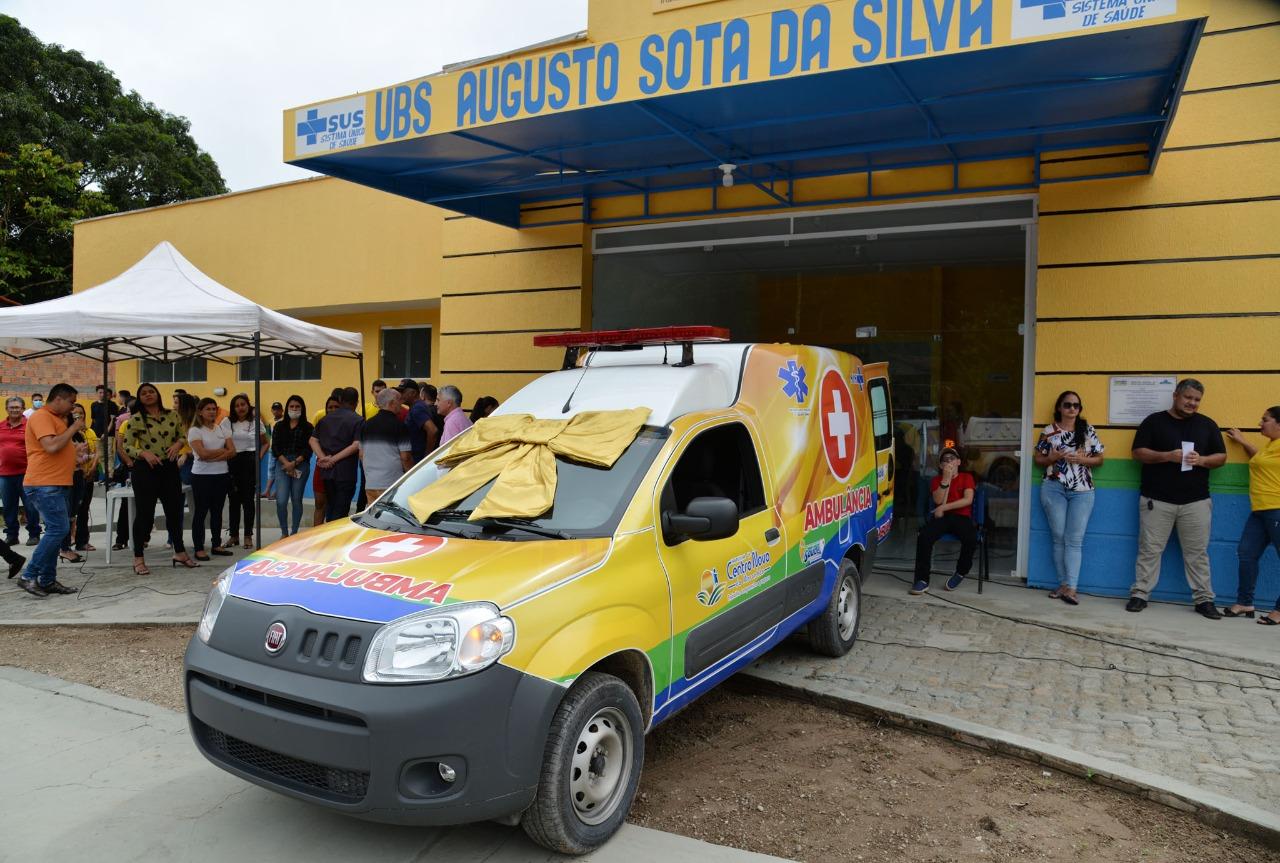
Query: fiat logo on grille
276	634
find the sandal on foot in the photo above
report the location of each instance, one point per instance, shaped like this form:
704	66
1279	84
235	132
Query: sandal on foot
1069	598
120	546
198	556
187	562
1268	621
1227	612
141	569
1056	593
74	558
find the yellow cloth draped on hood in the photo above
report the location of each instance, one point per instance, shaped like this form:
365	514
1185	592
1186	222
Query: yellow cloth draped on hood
521	452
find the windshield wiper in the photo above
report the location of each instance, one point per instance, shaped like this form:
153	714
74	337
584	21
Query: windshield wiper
398	510
527	525
530	526
407	516
453	514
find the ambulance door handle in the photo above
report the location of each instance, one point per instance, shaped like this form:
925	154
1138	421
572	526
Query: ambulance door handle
772	535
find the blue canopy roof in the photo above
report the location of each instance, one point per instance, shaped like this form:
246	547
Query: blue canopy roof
1112	88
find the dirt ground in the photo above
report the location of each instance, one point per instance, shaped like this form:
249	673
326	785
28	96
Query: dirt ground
770	775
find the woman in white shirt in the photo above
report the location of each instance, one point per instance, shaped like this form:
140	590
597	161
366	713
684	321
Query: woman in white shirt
211	442
250	439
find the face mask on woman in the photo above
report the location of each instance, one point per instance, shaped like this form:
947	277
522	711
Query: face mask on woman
37	403
294	413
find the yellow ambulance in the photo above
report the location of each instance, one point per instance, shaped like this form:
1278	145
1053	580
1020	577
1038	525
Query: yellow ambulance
493	638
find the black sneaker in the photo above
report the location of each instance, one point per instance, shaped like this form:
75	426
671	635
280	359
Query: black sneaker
1135	604
15	565
1209	610
32	588
33	540
59	587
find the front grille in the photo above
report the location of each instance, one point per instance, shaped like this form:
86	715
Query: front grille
279	703
332	783
328	648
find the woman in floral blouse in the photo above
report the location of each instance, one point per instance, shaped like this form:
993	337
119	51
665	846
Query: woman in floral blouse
1068	450
153	439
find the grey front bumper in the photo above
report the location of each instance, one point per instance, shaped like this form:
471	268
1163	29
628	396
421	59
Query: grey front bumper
371	750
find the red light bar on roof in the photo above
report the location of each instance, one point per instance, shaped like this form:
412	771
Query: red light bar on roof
639	336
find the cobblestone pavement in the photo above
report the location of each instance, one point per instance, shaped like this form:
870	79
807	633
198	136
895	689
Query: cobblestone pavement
1212	727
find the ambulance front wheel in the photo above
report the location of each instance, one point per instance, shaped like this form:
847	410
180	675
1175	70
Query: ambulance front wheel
834	631
591	767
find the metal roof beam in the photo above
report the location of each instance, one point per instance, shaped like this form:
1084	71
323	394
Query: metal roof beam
516	151
798	155
929	122
720	158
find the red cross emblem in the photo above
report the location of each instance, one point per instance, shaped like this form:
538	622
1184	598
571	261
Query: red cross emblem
394	548
839	430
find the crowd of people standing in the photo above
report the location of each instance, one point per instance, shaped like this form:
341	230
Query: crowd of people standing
52	453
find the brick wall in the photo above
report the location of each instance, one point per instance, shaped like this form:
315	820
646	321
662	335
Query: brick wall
22	378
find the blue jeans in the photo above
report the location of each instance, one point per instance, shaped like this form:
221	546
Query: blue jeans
1261	528
11	491
53	502
290	490
1068	515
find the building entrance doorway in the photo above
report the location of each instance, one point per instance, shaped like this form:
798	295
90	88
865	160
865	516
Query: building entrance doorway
940	292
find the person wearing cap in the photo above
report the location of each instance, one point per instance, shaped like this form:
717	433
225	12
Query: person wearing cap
951	499
408	389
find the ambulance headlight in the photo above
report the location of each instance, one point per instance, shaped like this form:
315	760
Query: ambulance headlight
213	605
439	643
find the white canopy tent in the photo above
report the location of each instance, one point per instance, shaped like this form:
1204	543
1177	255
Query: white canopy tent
163	308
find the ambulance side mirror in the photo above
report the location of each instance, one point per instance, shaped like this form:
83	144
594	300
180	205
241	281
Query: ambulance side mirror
704	518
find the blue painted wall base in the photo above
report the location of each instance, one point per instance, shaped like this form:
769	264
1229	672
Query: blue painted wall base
1111	547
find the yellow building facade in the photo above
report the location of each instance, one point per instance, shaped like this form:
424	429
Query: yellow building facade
1137	261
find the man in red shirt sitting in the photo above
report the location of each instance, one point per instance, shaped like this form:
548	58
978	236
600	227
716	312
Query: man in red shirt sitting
952	501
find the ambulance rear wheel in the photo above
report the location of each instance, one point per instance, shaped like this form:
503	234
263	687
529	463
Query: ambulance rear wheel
836	629
590	768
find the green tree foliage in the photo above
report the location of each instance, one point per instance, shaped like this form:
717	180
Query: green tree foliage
41	197
120	151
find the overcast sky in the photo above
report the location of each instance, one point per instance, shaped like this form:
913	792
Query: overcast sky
232	67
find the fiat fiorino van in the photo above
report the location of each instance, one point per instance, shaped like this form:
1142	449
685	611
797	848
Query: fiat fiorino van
493	638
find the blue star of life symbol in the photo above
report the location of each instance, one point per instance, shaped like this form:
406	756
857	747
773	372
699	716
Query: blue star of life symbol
312	126
858	379
792	375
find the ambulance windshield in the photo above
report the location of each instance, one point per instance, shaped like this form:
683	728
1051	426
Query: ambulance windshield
589	501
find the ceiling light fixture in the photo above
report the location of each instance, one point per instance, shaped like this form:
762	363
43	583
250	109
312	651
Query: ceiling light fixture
727	180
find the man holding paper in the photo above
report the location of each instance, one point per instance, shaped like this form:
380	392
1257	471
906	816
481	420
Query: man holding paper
1177	449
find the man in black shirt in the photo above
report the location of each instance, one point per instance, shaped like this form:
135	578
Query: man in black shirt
1177	449
102	412
336	445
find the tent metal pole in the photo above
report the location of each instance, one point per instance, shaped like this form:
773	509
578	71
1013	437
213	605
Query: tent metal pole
104	445
360	360
257	415
360	504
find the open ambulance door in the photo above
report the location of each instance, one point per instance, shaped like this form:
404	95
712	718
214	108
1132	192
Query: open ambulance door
877	377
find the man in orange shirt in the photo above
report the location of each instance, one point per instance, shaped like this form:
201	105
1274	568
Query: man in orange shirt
51	463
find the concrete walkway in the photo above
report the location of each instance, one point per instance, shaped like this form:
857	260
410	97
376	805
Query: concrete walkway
115	594
1096	693
93	776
